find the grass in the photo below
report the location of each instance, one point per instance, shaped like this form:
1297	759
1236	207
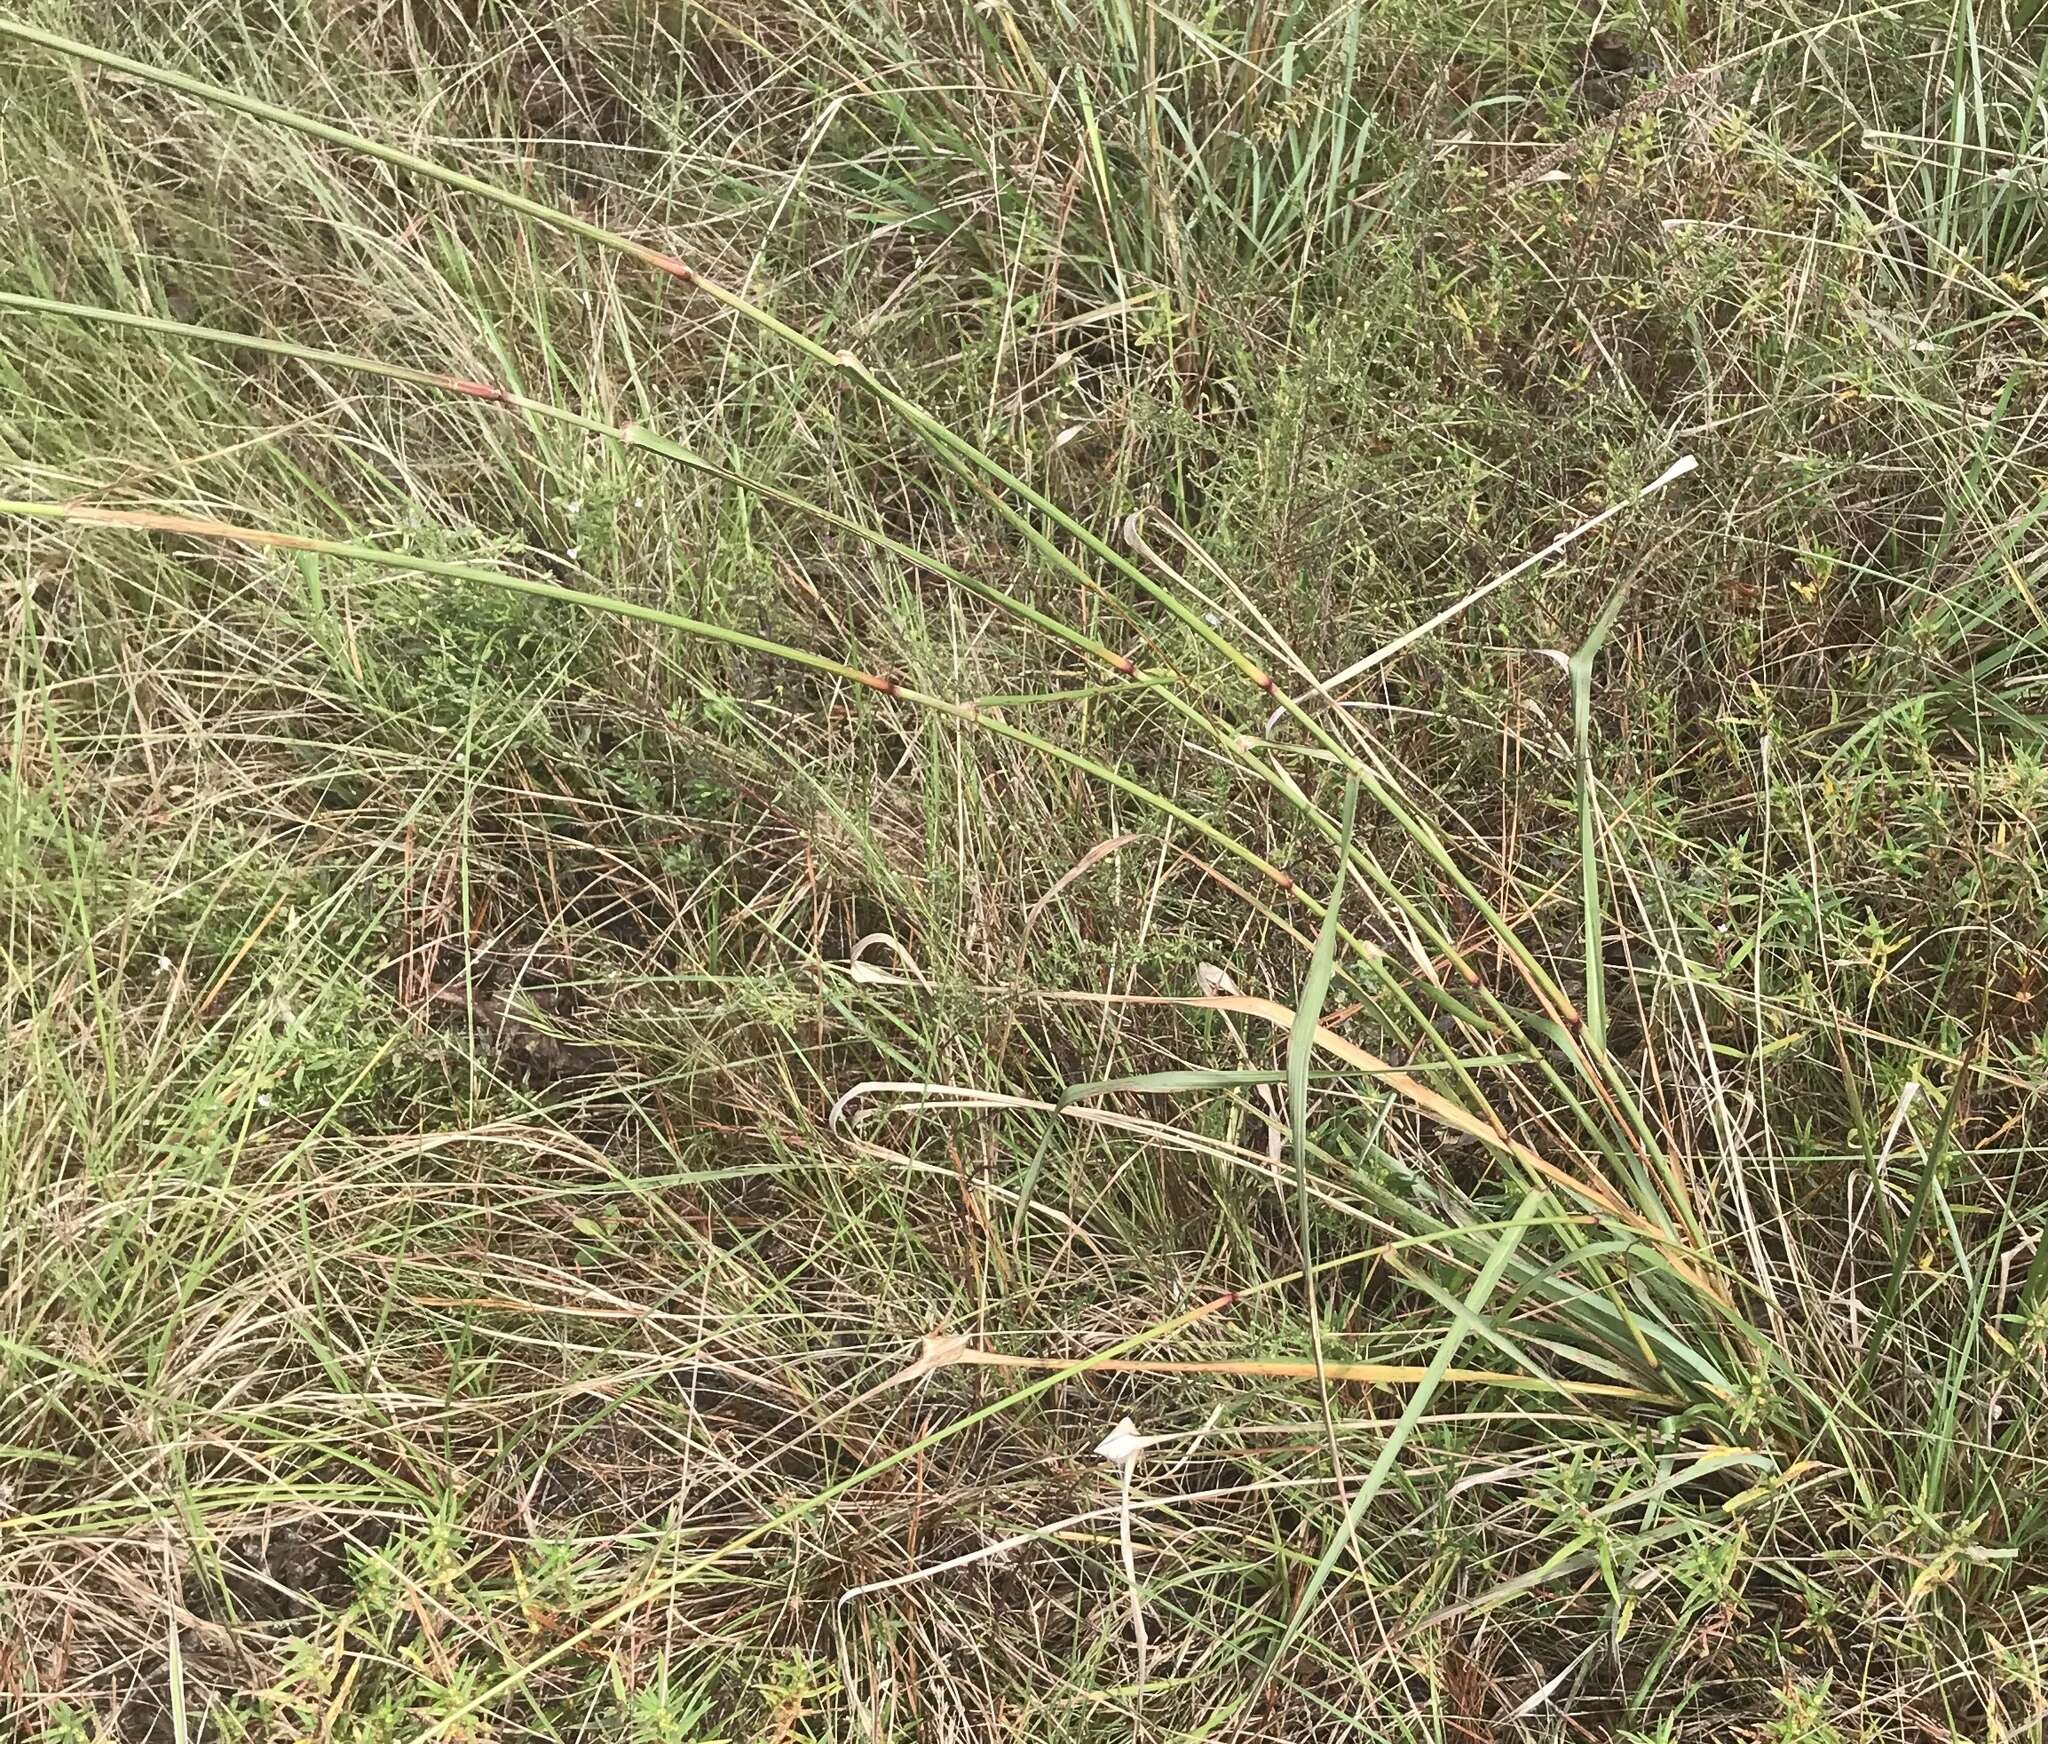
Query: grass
1051	871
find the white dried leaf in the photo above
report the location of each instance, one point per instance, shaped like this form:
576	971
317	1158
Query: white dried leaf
1122	1444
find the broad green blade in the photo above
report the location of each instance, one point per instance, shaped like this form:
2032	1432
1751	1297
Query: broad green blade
1447	1349
1589	866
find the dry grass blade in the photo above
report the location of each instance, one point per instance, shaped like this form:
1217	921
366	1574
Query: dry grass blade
1591	1191
950	1350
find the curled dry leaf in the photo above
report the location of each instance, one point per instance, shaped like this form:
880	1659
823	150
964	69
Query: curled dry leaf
872	975
1095	856
1122	1444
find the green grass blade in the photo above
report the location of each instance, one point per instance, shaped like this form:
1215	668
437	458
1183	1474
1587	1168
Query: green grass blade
1453	1340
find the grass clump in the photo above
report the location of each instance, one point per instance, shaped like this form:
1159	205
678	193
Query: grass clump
1022	872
